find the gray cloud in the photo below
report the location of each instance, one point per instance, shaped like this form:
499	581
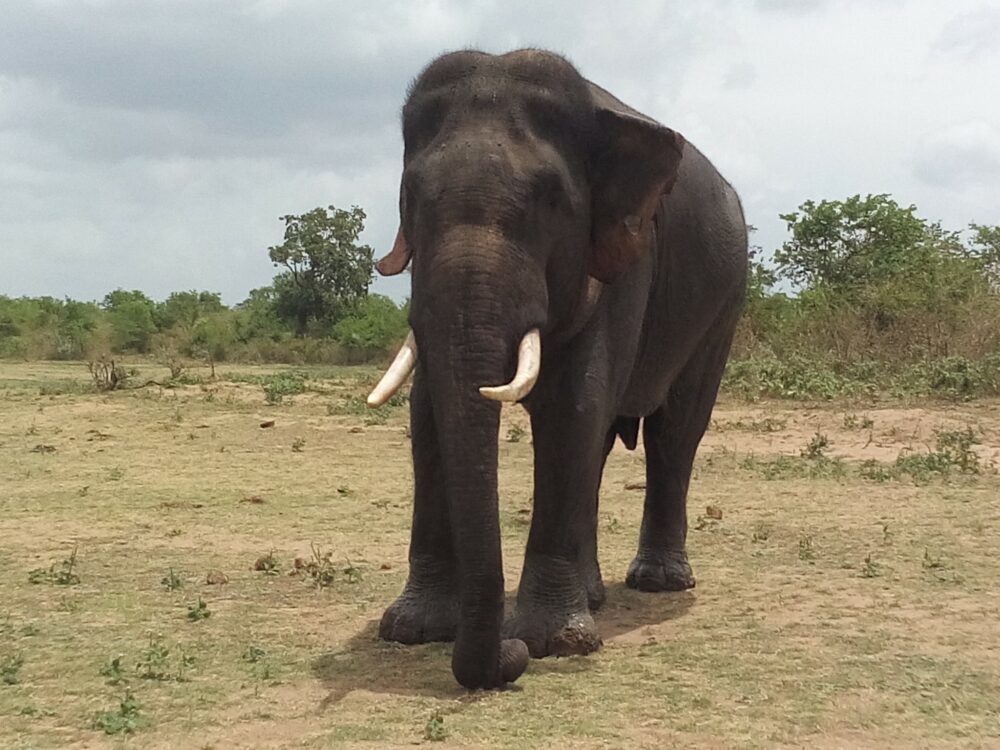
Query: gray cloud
740	75
154	144
790	6
962	154
971	34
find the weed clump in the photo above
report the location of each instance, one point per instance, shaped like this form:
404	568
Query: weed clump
125	719
322	571
953	453
114	670
10	666
876	471
356	406
172	581
275	386
57	574
795	467
198	611
767	424
515	433
870	568
815	448
435	731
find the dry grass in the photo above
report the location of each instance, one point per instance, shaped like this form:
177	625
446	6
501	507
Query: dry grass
830	612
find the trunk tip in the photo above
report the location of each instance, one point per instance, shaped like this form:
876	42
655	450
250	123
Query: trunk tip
514	657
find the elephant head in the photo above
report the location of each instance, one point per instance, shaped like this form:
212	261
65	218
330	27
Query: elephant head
525	188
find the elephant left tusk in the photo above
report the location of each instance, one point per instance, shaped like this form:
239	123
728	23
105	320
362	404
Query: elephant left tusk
395	376
529	361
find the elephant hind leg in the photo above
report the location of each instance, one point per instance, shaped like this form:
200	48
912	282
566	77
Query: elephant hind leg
671	436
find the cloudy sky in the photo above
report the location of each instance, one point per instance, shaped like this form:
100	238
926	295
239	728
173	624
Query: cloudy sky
153	144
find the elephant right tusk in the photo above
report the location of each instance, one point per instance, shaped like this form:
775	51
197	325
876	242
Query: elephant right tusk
395	376
529	361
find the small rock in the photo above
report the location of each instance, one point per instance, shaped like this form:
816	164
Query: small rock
637	485
267	423
713	511
356	430
253	499
216	577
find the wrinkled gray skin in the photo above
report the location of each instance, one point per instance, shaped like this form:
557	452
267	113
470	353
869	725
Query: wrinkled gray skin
522	182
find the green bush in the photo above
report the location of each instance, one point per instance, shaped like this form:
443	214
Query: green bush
796	377
375	326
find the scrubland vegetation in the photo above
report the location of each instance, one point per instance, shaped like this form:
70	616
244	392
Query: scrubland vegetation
864	297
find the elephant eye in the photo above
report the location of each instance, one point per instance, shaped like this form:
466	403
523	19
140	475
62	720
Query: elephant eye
549	191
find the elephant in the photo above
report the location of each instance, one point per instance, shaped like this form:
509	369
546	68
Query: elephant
573	255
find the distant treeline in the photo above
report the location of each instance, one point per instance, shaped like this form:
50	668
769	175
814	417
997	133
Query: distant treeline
193	325
863	291
316	310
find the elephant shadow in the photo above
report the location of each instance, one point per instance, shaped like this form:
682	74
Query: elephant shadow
628	612
364	662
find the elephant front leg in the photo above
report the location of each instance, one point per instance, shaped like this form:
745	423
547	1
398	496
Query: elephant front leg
427	610
561	580
590	567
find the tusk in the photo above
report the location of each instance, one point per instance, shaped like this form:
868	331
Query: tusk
397	373
529	360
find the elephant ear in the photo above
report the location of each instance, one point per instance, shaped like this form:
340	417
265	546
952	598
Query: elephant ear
398	257
635	164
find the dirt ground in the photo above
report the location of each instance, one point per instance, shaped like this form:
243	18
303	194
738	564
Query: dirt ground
843	599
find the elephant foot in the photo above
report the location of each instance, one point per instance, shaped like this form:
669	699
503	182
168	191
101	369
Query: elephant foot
666	571
421	615
549	633
552	616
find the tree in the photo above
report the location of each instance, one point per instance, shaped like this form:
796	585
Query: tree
185	309
327	270
211	336
257	316
985	247
77	322
765	311
845	245
874	275
131	318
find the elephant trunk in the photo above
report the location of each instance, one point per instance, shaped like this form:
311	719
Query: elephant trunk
458	364
474	301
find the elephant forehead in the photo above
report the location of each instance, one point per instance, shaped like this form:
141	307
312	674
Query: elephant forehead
474	160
